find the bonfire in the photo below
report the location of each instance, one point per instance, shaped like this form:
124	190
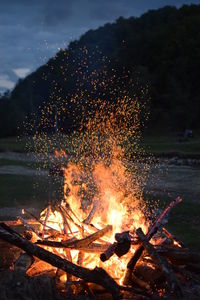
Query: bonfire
100	239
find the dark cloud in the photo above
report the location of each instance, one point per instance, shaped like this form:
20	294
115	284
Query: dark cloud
31	31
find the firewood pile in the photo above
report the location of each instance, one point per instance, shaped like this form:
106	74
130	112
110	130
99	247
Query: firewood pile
41	265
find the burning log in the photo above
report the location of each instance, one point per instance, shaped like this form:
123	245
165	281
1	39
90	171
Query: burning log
119	248
150	234
172	237
109	252
89	239
96	275
160	261
91	248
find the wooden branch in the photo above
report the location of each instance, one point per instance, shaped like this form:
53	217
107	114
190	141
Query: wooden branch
89	239
91	248
97	275
29	227
70	218
138	252
45	221
172	237
39	221
162	263
65	222
92	213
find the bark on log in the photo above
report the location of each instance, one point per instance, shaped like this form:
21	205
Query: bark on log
161	262
96	275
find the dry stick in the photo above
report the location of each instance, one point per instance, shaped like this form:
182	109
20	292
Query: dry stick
172	237
92	248
163	264
39	221
89	239
150	234
65	222
70	209
97	275
80	258
45	221
71	219
29	227
92	213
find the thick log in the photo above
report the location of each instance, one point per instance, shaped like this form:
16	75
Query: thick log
92	248
108	252
120	248
162	263
96	275
123	243
138	252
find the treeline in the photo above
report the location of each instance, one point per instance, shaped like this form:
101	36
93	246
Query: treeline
159	52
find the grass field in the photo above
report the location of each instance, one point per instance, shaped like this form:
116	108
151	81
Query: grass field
155	144
13	144
19	190
163	145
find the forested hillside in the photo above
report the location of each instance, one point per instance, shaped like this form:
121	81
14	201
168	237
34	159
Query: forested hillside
159	52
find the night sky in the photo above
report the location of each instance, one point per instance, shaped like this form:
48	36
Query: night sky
32	31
